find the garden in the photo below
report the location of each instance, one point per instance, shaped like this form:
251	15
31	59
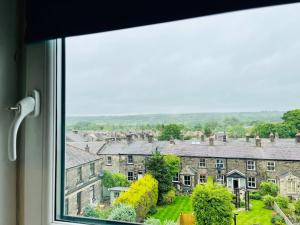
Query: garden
153	200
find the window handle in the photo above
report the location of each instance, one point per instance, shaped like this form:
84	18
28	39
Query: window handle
27	106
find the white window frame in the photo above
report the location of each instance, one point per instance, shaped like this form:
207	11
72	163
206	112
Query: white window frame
253	166
109	162
220	178
128	156
130	176
220	162
202	179
251	182
187	180
274	165
202	163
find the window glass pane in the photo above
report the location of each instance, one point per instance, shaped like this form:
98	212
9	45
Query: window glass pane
152	112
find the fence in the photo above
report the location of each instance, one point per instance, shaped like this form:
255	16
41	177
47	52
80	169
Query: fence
279	211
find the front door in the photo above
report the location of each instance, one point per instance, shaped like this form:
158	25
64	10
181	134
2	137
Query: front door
235	183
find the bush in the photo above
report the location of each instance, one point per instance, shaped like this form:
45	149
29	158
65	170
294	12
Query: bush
268	201
90	211
255	195
123	212
152	211
168	198
142	196
110	180
212	204
282	201
153	221
277	219
268	188
297	207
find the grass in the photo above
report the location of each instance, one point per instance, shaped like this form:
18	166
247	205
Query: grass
257	215
172	211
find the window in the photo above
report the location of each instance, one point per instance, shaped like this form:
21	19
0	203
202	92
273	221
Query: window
220	179
108	161
271	166
92	194
130	159
130	176
116	194
92	169
202	179
272	180
79	175
251	165
176	178
202	163
78	200
251	182
292	186
187	180
219	163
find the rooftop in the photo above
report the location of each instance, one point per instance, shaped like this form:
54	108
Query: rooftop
281	149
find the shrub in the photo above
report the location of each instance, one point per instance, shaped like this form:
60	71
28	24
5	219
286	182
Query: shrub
268	201
297	207
142	196
152	221
90	211
268	188
255	195
169	222
212	204
277	219
123	212
114	180
282	201
168	198
152	211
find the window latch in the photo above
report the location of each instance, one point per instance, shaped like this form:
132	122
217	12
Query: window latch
27	106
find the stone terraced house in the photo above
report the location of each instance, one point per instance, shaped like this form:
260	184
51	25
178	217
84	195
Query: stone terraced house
236	163
82	180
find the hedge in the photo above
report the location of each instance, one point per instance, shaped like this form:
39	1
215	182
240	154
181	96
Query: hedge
142	196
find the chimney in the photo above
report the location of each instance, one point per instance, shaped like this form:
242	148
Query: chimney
150	138
211	140
298	138
272	137
172	141
202	137
224	137
87	148
129	138
247	137
258	141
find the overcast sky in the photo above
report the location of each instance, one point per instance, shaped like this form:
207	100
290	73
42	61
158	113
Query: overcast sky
241	61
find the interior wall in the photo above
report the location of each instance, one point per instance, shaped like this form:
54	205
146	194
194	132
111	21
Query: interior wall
8	97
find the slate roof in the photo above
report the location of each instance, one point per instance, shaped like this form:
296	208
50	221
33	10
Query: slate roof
295	173
76	156
75	137
282	149
94	147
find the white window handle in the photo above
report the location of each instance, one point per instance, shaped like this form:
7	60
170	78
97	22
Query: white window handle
29	105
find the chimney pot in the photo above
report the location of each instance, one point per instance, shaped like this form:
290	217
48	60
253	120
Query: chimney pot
272	137
129	138
150	138
202	137
87	148
224	137
247	137
258	141
297	138
211	140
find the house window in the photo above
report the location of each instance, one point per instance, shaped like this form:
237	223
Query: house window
78	200
92	194
251	165
271	166
202	163
130	176
219	163
272	180
291	186
176	178
251	182
202	179
92	169
130	159
79	174
187	180
66	206
108	161
116	194
220	179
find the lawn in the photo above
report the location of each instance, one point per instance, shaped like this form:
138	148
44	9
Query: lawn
172	211
257	215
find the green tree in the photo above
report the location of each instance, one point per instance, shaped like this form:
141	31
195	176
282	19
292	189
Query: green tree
292	117
236	131
284	130
173	163
268	188
212	204
171	131
157	166
114	180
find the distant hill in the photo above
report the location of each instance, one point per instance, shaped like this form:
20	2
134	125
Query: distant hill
186	119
